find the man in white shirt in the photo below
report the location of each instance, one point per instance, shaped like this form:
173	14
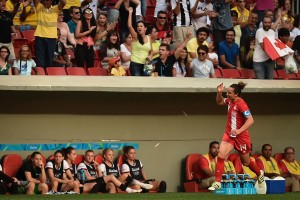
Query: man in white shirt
262	63
200	13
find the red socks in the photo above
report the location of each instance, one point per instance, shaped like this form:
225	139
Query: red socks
219	169
253	166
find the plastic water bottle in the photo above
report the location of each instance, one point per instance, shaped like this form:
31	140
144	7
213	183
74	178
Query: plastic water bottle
82	176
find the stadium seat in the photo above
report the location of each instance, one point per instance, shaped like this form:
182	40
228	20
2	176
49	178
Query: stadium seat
218	73
99	158
56	71
120	160
40	70
233	156
50	158
248	73
190	185
128	72
97	71
231	73
275	75
76	71
283	75
78	159
19	42
19	35
28	34
278	157
11	164
43	159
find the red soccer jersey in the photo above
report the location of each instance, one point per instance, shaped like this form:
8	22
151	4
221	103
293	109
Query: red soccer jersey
237	114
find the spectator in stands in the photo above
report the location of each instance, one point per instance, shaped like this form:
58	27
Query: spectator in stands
103	27
165	62
68	10
8	184
108	167
242	13
24	63
262	63
110	48
25	17
92	5
181	66
115	68
267	163
182	22
286	5
161	5
296	26
135	168
200	13
5	67
229	52
262	6
33	171
8	30
297	57
141	46
123	6
201	66
75	17
284	36
278	19
213	56
85	34
70	156
61	58
65	34
162	25
237	27
60	176
204	169
46	31
125	49
221	20
96	182
155	43
290	169
247	52
200	39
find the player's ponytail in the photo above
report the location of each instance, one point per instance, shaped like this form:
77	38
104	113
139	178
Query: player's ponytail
238	87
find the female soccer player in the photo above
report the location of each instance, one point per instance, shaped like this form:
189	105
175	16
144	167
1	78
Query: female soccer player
239	120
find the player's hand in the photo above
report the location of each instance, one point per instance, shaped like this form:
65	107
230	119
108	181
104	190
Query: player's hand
234	133
220	88
41	165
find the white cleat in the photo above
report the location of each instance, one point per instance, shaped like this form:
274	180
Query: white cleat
215	186
147	186
136	191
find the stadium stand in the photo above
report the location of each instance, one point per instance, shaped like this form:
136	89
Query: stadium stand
76	71
231	73
56	71
40	70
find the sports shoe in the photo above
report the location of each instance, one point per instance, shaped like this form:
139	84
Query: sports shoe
215	186
136	191
71	192
147	186
51	192
261	180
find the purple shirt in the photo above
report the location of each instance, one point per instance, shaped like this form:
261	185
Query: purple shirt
264	4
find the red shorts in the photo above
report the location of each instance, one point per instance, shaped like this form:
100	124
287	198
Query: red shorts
241	143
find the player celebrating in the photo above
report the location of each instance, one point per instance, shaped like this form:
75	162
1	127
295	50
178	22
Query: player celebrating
239	120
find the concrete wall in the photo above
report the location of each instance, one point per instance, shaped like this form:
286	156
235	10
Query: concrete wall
168	118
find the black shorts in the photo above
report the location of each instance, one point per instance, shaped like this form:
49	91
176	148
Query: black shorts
102	185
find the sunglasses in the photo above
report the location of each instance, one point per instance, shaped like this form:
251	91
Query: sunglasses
201	53
76	13
162	17
88	11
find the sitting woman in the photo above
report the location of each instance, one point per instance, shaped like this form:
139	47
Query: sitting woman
94	181
181	66
131	163
60	176
34	172
108	167
110	48
8	184
24	63
65	34
5	67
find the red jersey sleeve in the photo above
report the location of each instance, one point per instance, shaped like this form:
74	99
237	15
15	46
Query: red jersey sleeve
242	106
260	164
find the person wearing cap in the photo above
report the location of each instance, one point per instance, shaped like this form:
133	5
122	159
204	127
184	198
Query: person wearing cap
115	67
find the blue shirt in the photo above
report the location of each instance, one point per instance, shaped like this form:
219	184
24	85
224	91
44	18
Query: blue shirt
72	26
230	52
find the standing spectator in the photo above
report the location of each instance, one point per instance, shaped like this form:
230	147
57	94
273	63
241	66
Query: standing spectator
110	48
108	6
182	22
162	25
243	13
229	52
65	35
24	63
286	5
75	17
262	6
202	67
236	28
34	172
125	49
221	20
290	169
262	63
200	13
161	5
200	39
284	37
165	62
92	5
61	58
155	43
85	34
8	30
5	68
296	29
123	6
247	53
181	66
46	31
141	46
69	9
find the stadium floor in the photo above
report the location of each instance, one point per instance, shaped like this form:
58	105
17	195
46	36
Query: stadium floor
183	196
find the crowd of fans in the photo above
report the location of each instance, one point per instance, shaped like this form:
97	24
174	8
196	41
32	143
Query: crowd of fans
178	38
